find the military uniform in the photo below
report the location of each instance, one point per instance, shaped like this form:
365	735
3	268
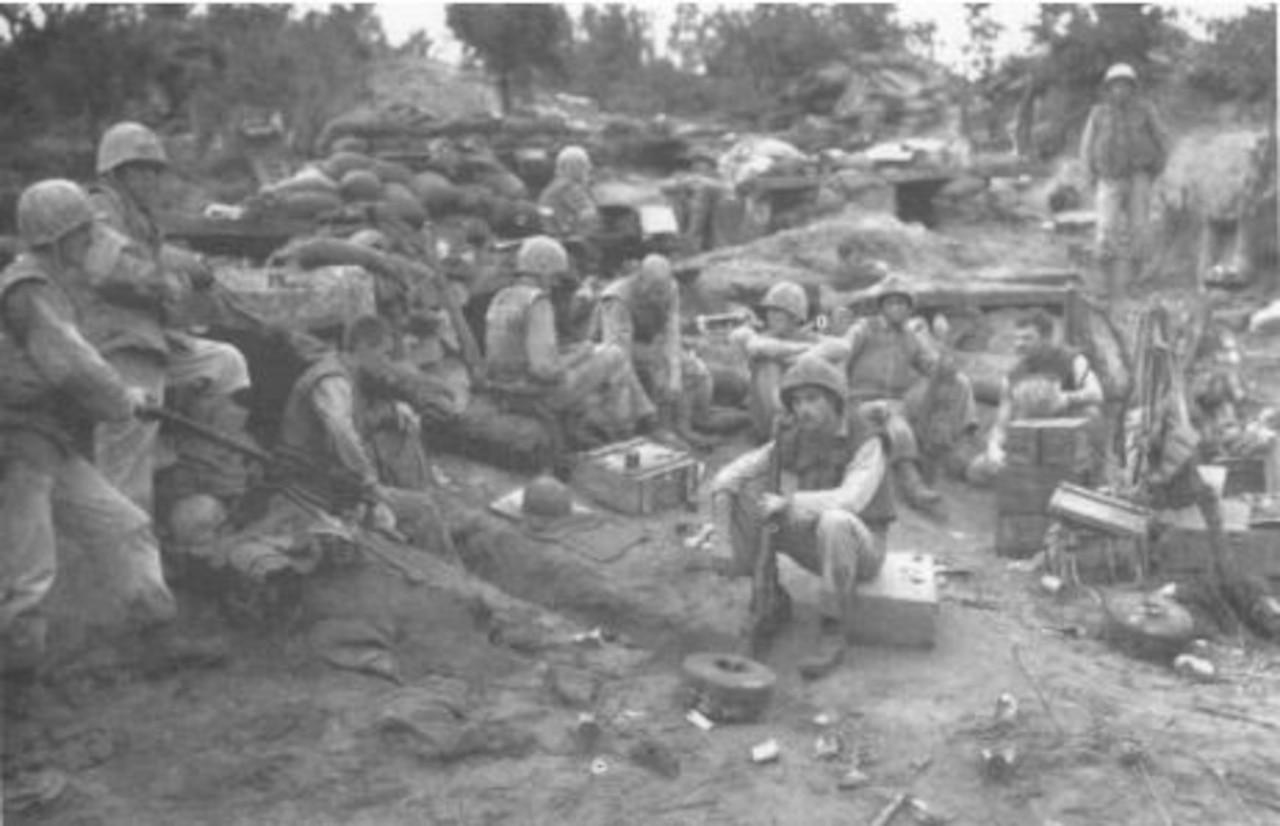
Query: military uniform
55	387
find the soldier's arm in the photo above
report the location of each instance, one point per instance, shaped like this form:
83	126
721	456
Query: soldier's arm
120	272
541	343
63	356
1086	145
924	355
671	345
1004	415
766	347
333	402
615	323
862	477
1089	389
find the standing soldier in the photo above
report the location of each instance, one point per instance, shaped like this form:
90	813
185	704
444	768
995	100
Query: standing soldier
568	197
1123	149
56	386
139	334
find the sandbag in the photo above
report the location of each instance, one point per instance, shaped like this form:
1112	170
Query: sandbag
435	192
405	204
361	185
339	164
503	184
303	205
307	179
390	172
351	143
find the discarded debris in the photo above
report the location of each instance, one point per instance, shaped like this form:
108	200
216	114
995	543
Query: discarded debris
1195	668
587	732
998	764
828	746
699	719
599	766
766	752
853	779
1006	709
1051	584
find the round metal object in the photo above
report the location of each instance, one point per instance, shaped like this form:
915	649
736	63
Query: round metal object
728	688
1150	626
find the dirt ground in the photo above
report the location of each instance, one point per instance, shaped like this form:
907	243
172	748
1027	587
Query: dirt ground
481	730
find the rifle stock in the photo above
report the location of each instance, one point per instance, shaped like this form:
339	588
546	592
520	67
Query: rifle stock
764	575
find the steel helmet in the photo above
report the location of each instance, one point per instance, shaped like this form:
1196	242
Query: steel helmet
655	267
542	255
50	209
573	162
788	297
1120	71
129	142
547	496
894	285
813	371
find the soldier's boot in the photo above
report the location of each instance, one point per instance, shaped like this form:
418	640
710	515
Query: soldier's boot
828	652
913	488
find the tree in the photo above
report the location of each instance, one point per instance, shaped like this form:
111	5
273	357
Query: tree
515	42
613	50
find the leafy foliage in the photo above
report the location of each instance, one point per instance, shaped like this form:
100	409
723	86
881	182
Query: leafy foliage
515	42
1240	59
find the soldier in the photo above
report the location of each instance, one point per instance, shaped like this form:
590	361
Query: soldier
56	386
770	352
139	333
568	198
640	314
340	412
834	507
886	358
1124	148
594	384
1049	380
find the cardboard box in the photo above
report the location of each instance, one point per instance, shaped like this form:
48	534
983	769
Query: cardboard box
900	606
638	476
1019	536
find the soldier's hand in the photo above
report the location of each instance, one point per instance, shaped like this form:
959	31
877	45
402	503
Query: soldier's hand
407	421
772	505
140	400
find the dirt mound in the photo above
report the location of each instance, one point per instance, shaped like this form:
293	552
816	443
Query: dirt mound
811	256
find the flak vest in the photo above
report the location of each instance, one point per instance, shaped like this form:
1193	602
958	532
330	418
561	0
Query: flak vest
506	328
27	400
1125	141
301	428
883	369
819	462
648	309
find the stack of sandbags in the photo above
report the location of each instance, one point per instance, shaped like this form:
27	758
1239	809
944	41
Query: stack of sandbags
343	179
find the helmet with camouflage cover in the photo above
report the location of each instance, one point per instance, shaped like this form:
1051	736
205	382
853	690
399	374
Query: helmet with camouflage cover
812	371
49	210
788	297
892	286
574	163
129	142
542	256
547	497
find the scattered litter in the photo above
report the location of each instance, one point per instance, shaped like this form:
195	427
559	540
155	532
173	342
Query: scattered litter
1195	668
597	636
1006	709
998	764
824	719
699	719
828	746
924	814
766	752
587	732
700	539
1029	565
599	766
853	779
1051	584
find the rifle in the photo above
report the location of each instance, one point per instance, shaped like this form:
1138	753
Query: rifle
323	484
765	589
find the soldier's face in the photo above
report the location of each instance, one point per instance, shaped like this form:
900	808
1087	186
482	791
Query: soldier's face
1120	90
143	180
73	249
1026	340
813	408
779	321
896	310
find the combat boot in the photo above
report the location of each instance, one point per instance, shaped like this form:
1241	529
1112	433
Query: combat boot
828	653
913	489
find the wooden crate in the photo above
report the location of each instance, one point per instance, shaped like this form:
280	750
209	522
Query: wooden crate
1019	536
1058	443
658	478
1182	545
900	606
1109	514
1021	489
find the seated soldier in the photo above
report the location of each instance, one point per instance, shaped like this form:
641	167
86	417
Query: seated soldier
1049	381
833	507
590	387
568	198
640	314
893	367
339	413
770	352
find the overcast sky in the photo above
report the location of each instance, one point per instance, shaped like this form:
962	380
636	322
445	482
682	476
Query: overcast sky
401	19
